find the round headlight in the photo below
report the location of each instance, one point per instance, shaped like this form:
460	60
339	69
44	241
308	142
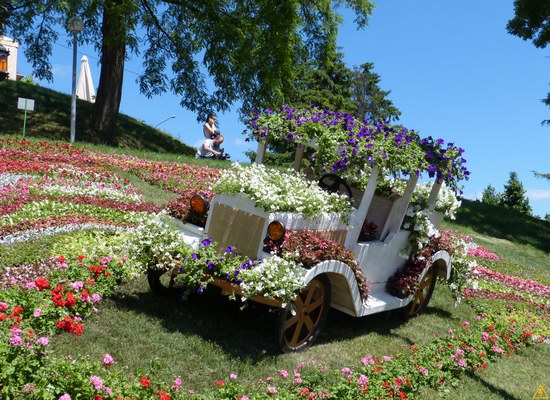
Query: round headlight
199	205
276	231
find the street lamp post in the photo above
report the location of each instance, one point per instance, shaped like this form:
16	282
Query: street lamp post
74	25
173	116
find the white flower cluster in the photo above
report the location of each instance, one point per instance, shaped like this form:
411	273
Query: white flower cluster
274	278
446	203
91	189
417	220
33	234
275	190
155	244
10	179
46	208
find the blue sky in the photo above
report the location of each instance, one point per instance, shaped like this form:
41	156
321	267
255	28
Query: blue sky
453	71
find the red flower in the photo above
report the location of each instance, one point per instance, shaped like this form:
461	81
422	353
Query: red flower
42	283
16	311
3	317
98	397
163	395
80	258
71	300
402	395
220	383
61	259
144	382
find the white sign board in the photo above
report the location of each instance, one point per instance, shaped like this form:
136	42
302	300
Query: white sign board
25	104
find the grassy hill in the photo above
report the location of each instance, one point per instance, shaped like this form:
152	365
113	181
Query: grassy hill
52	116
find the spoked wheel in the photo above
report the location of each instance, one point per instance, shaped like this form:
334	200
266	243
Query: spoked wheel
301	321
161	281
423	294
333	183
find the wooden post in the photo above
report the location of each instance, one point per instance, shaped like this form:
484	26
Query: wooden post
353	234
260	153
298	156
398	210
432	199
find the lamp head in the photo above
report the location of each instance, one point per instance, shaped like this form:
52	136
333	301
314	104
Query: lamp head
75	24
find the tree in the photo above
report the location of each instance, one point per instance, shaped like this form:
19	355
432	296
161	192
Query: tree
490	196
532	22
324	84
370	100
248	48
514	195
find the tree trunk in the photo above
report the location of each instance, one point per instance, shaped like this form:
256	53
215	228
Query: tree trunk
109	92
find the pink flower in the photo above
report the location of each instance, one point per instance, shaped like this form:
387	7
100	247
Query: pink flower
362	380
77	285
283	373
96	298
461	363
37	312
269	379
271	389
97	382
16	340
484	336
42	341
465	324
346	371
233	376
65	397
386	358
3	306
177	383
108	360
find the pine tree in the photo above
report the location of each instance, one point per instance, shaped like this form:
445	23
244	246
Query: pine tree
490	196
514	195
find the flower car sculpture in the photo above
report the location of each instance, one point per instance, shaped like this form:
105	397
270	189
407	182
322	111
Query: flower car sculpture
305	245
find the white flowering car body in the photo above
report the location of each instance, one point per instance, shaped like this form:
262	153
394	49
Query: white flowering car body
236	219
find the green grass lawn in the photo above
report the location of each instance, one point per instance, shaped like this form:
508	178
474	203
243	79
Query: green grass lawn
211	334
51	120
207	337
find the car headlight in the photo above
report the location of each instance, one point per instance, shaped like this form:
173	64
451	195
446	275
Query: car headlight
276	231
199	205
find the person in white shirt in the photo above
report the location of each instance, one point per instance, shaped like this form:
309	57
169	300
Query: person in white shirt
209	128
210	148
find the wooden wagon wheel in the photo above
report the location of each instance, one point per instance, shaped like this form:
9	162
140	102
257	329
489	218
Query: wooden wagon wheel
423	294
161	281
301	321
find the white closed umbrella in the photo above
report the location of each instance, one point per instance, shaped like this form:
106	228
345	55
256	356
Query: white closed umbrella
85	87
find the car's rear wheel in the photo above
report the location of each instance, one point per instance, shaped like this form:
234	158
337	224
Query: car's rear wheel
300	323
422	295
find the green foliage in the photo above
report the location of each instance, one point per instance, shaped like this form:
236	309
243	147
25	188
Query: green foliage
514	196
249	49
370	100
324	84
532	22
490	196
503	223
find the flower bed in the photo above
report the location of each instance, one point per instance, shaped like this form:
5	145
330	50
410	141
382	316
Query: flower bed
39	300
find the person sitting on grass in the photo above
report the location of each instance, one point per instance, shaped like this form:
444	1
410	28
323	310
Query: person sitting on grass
209	128
210	148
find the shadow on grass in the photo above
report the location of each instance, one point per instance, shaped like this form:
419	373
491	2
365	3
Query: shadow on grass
249	333
503	223
492	388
